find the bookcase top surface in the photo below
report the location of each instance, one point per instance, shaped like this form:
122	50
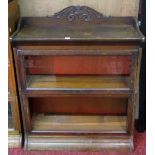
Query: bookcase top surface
77	24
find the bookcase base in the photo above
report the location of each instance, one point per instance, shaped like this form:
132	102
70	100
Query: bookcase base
79	143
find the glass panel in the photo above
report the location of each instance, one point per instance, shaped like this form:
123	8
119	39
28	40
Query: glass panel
77	72
79	114
79	124
10	119
77	82
78	65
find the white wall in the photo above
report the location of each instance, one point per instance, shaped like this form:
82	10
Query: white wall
106	7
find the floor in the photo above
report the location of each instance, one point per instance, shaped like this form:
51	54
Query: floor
140	149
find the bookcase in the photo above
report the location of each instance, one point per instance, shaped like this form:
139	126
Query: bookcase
78	77
14	124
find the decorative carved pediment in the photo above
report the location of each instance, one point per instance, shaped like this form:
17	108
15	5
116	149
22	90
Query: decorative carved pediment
79	13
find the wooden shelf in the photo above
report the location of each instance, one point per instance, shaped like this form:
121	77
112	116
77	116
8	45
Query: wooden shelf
79	124
43	82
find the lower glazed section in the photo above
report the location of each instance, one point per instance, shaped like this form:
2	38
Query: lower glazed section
79	143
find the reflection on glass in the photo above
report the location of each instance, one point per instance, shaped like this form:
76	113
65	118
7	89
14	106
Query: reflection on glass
10	121
77	72
79	114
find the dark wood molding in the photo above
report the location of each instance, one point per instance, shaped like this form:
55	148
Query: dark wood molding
82	13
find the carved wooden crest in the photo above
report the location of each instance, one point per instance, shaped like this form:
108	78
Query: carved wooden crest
80	13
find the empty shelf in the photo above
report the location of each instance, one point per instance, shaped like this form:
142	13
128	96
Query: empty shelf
77	82
79	124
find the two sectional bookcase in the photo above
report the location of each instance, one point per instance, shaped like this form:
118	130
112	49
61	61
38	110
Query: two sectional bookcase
78	75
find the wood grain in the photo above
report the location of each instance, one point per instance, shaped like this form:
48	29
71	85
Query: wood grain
108	8
88	124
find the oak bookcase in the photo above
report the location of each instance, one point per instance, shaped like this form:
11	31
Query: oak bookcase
78	75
